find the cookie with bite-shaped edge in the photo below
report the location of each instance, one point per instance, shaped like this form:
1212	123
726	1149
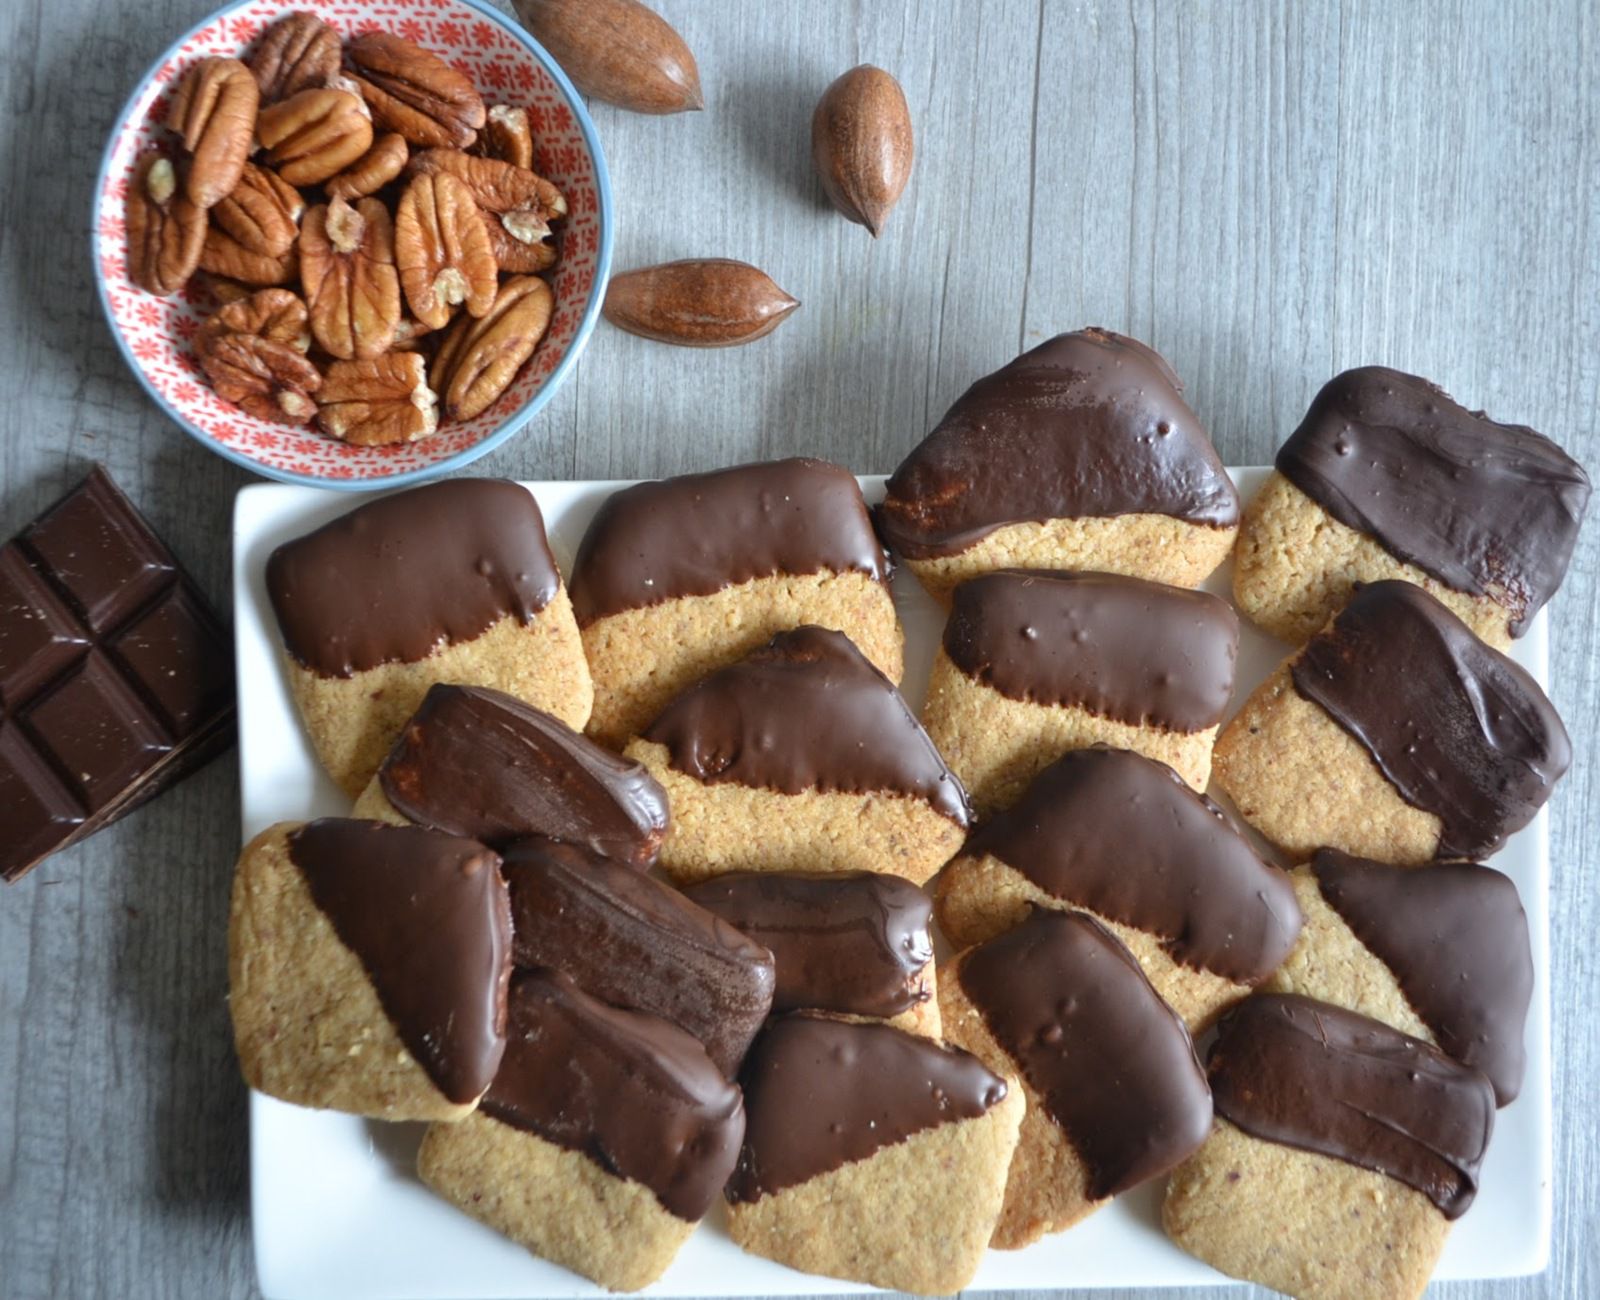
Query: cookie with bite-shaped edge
870	1154
1115	1095
1441	954
1121	837
1079	454
1393	734
1343	1150
801	757
857	943
1389	477
477	762
637	943
367	968
1034	664
604	1139
681	576
451	582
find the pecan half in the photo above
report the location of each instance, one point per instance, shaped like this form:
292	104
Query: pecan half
315	134
348	274
378	401
296	52
415	92
276	315
373	170
223	255
479	358
225	290
442	250
520	242
268	380
508	136
262	213
496	186
166	232
215	113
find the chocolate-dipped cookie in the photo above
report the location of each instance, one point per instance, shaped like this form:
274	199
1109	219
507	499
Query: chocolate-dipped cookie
1440	954
637	943
1394	734
1115	1095
367	968
449	582
858	943
1034	664
871	1154
1342	1152
1388	477
480	763
1080	454
681	576
602	1142
1119	836
801	757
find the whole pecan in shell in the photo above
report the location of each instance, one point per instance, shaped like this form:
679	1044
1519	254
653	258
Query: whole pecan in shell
268	380
442	250
861	145
620	51
479	358
712	302
166	232
262	213
296	52
378	400
415	92
347	271
373	170
508	136
276	315
223	255
215	113
496	186
315	134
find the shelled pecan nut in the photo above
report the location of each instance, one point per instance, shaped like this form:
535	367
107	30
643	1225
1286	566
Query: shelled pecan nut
379	400
315	134
277	315
496	186
296	52
223	255
442	250
520	243
262	213
347	271
268	380
166	232
415	92
508	136
215	113
479	358
373	170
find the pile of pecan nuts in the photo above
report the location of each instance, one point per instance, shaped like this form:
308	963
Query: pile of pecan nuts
370	176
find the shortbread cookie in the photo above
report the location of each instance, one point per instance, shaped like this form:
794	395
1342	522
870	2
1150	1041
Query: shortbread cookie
1115	1094
1121	837
603	1141
477	762
801	757
1388	477
1343	1149
367	968
871	1154
859	943
682	576
637	943
453	582
1032	665
1080	454
1440	954
1395	734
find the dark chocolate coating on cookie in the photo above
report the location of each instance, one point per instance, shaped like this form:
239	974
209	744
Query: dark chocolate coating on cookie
1456	938
1090	424
394	580
854	942
1112	1064
429	918
696	534
477	762
637	1096
636	942
1458	729
1486	508
1140	652
1305	1074
806	712
822	1093
1126	838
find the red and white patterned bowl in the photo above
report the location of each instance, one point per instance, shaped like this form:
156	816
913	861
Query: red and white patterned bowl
156	334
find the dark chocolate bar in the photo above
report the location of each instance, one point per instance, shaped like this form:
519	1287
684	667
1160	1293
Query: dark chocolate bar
116	678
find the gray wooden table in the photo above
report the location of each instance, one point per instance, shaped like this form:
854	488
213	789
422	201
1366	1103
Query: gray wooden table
1265	192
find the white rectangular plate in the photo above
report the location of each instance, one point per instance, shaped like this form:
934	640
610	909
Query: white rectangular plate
338	1210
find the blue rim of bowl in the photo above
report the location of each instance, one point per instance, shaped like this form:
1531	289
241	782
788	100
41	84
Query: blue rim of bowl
514	422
